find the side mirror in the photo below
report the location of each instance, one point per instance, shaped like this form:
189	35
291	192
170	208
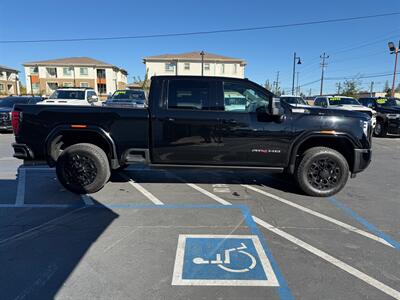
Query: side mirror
276	108
93	99
370	105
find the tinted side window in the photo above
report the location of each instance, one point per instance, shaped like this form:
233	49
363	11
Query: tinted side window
242	97
188	94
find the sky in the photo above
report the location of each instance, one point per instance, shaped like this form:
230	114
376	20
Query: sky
355	48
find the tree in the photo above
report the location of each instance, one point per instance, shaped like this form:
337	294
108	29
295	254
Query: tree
268	85
22	89
351	88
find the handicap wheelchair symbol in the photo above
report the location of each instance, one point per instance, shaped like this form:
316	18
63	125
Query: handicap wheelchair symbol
235	260
227	260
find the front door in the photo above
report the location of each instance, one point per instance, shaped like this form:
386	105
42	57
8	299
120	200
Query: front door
250	136
185	130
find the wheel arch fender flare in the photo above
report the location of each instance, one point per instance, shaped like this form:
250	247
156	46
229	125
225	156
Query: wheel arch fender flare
316	135
56	135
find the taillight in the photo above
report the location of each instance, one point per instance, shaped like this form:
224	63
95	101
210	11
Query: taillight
15	119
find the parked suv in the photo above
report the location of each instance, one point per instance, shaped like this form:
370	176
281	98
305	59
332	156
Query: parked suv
388	114
347	103
6	107
72	96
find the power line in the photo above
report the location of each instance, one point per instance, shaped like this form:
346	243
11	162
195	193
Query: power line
201	32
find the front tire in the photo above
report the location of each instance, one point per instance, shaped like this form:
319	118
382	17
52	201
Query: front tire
83	168
322	172
380	129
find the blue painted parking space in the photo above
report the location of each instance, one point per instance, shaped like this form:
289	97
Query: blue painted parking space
222	260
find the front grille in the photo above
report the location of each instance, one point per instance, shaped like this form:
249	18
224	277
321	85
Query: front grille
5	117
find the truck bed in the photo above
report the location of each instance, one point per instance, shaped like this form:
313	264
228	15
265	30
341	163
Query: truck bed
127	127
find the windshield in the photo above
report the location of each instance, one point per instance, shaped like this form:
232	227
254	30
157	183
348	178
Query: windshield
129	94
62	94
343	101
388	102
293	100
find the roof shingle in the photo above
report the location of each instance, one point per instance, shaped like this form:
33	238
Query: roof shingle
195	55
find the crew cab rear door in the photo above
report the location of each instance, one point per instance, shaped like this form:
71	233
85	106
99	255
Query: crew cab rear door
250	136
184	129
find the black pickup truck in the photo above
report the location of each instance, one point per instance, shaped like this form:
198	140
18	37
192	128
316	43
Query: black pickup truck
388	114
193	121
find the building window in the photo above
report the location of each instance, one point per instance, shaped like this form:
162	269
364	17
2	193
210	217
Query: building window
83	71
67	71
222	68
35	88
187	66
1	88
68	84
33	70
84	84
235	68
52	72
101	73
101	88
207	67
169	67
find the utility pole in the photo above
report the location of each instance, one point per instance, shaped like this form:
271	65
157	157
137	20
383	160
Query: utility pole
323	65
294	69
339	86
276	82
297	84
309	92
202	63
371	90
394	50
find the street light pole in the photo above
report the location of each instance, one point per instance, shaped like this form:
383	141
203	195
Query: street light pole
395	51
202	63
294	69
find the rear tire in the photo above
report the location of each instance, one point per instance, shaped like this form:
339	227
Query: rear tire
322	172
83	168
380	129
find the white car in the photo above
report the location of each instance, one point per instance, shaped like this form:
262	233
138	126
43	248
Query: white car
72	96
343	102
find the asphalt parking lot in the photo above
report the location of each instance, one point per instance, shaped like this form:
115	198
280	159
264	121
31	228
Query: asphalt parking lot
199	234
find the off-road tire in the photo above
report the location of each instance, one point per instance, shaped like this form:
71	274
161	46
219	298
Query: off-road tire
322	172
83	168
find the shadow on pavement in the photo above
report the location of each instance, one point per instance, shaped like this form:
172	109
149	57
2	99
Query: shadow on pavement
36	263
283	182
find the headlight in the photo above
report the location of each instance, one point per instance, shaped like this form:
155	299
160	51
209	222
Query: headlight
364	125
393	116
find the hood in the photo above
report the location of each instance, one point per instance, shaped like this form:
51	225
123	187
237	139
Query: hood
353	107
322	111
5	109
390	109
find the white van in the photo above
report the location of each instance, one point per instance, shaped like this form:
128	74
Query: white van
72	96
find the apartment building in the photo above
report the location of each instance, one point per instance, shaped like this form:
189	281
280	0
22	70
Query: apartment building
44	77
9	81
190	63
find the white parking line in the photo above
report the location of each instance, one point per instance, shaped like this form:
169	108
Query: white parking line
207	193
338	263
20	198
321	216
141	189
325	256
